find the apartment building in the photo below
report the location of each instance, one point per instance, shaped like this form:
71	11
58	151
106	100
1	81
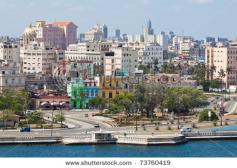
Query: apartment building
94	34
87	51
56	34
38	59
10	77
120	58
222	58
9	52
149	53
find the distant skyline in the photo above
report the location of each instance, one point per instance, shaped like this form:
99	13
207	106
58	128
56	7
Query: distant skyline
197	18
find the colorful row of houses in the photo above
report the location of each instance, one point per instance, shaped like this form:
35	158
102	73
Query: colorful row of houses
82	91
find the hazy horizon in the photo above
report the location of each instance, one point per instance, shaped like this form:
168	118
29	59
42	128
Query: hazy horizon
197	18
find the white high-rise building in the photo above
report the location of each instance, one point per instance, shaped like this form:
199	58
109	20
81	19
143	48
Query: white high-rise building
88	51
183	44
149	53
94	34
10	77
9	52
163	40
121	58
38	59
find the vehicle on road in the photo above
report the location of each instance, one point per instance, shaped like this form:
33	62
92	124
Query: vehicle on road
186	129
97	126
25	129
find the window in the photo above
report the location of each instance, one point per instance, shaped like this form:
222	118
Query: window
110	95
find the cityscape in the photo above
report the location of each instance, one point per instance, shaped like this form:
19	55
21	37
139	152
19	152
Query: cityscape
67	93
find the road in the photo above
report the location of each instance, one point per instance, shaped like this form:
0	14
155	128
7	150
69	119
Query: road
77	121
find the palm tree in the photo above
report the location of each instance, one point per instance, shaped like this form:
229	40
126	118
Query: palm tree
212	70
221	74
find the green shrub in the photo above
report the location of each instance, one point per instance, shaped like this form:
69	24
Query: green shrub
214	123
203	116
194	125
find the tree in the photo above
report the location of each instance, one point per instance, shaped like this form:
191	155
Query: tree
139	95
14	101
98	102
148	97
212	70
59	117
35	118
82	97
170	68
222	75
146	69
200	73
203	116
122	102
153	99
156	65
182	99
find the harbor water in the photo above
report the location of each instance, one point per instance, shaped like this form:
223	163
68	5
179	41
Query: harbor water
207	148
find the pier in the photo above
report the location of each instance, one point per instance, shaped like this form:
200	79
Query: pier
30	140
113	138
211	135
151	140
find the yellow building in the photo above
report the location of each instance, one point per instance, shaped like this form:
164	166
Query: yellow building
110	86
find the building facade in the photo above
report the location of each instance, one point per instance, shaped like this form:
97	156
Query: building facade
88	51
38	59
10	77
94	34
110	86
56	34
82	91
122	58
222	59
9	52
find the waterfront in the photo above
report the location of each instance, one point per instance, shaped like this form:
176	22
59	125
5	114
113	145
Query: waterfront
210	148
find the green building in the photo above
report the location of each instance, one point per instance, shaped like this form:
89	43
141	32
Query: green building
82	91
77	94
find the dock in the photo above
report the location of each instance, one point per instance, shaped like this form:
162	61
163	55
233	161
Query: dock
210	135
30	140
97	138
151	140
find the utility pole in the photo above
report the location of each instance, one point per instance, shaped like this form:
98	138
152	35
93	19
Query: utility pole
222	110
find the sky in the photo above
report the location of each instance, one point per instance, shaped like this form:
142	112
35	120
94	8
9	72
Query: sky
198	18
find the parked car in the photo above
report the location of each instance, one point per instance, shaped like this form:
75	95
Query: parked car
27	112
25	129
97	126
186	129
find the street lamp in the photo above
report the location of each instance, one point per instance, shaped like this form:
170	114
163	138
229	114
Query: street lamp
222	110
53	104
60	105
209	115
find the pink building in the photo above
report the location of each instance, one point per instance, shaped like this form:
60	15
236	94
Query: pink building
222	58
57	34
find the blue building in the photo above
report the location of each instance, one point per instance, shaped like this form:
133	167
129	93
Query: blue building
82	91
91	89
